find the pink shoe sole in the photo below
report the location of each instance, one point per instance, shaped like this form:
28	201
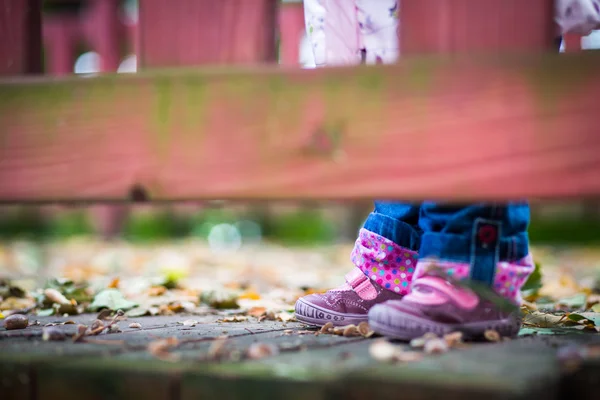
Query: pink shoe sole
405	326
311	314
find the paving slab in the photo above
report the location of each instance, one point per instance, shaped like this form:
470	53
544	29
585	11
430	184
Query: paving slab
305	365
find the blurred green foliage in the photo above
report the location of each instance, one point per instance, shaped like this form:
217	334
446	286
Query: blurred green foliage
302	226
578	231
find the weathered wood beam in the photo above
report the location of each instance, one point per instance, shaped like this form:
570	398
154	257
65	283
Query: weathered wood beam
20	37
458	129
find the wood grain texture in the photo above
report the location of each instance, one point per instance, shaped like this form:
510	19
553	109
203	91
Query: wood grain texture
291	31
20	37
476	26
196	32
424	129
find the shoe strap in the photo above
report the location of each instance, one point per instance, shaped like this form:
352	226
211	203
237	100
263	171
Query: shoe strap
462	297
361	284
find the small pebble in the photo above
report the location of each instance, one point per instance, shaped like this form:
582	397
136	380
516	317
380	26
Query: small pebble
52	333
16	321
135	325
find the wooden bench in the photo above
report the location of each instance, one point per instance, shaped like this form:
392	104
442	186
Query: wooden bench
497	127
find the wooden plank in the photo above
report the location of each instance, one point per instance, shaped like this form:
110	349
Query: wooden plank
476	26
291	31
195	32
424	129
20	37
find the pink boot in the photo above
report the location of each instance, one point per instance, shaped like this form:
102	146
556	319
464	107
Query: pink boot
440	303
383	272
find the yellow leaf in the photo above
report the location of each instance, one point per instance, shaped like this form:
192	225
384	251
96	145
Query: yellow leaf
114	284
257	311
1	315
250	295
596	308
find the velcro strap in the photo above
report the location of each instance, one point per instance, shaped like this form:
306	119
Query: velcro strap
361	284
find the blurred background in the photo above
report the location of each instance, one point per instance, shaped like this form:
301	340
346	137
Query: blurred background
87	37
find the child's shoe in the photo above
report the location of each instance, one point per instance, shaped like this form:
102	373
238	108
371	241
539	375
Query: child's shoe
440	303
383	272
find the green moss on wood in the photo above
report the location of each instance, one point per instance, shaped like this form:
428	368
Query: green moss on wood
162	113
195	105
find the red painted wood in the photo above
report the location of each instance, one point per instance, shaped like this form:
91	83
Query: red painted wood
193	32
105	35
457	130
61	36
291	30
20	37
476	26
572	43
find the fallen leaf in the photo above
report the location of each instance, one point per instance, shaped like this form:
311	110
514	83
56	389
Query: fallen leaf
285	317
435	346
112	299
137	312
235	318
97	327
257	311
492	336
217	348
55	296
257	351
45	313
53	334
542	320
157	291
534	282
104	314
189	322
596	308
327	327
135	325
16	303
250	295
220	299
574	302
408	356
453	339
350	331
160	349
382	350
114	284
365	330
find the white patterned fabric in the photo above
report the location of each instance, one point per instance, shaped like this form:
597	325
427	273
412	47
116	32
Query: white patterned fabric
339	29
578	16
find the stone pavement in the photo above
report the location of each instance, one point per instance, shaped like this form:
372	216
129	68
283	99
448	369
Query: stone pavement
300	365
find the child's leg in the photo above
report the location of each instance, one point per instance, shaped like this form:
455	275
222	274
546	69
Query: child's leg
484	244
385	259
385	252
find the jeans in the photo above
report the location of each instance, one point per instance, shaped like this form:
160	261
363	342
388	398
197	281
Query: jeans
479	234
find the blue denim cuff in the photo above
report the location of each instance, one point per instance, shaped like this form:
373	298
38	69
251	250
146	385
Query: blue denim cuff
395	230
483	248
